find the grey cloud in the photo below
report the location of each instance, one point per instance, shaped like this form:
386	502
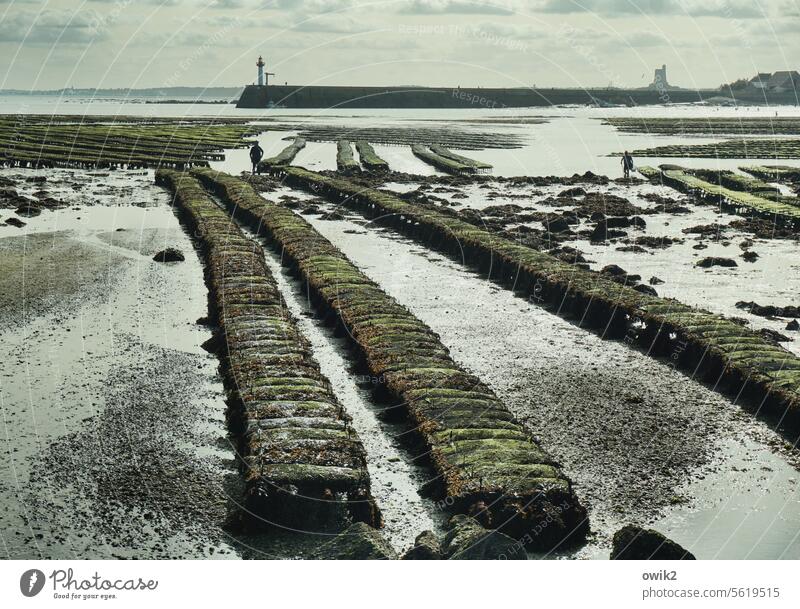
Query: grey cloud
52	26
618	8
462	7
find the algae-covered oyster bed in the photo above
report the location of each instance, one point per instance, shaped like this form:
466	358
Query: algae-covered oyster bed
708	126
486	462
719	350
302	462
131	142
407	347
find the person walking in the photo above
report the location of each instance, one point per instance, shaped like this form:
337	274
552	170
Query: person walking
627	164
256	152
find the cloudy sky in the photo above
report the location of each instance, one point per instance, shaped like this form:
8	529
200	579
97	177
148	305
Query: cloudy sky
46	44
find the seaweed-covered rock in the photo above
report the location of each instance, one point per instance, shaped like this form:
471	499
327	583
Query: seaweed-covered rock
710	261
635	543
576	191
793	326
170	254
773	336
645	289
655	280
28	210
750	256
556	224
357	542
468	540
426	547
768	310
15	222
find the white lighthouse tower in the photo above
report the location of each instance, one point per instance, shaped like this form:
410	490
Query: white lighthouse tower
260	63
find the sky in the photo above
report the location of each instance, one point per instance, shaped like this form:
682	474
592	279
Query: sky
49	44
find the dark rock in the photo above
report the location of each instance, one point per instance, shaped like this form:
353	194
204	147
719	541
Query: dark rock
618	222
716	261
358	542
309	210
468	540
768	310
36	179
636	249
750	256
169	255
773	336
597	216
635	543
28	210
656	242
577	191
645	289
793	326
700	246
15	222
556	224
426	547
655	280
638	222
613	270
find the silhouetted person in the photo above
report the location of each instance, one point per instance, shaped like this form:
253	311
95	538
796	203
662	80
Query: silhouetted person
627	164
256	152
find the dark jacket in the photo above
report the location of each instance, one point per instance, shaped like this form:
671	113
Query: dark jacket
256	153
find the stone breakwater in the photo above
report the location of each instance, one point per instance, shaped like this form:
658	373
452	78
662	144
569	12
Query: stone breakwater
712	348
486	462
303	464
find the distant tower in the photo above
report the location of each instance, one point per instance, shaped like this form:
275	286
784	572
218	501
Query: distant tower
260	63
660	78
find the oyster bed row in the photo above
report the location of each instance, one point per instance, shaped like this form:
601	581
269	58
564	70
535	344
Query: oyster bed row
486	462
718	350
303	464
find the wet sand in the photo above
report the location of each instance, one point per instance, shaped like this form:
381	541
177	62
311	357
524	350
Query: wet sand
636	436
114	441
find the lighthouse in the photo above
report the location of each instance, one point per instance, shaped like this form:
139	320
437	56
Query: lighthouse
260	63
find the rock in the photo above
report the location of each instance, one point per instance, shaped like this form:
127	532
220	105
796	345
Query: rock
773	336
28	210
169	255
613	270
602	232
645	289
7	192
793	325
468	540
15	222
655	280
716	261
768	310
635	543
577	191
426	547
357	542
750	256
556	224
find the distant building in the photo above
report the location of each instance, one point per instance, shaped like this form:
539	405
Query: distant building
660	77
779	82
660	81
